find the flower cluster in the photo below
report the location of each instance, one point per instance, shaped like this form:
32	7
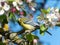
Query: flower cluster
53	16
4	7
15	5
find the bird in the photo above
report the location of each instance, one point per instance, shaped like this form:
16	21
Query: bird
25	25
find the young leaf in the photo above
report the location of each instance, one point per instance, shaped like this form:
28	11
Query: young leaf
45	11
10	0
31	37
2	17
43	29
12	17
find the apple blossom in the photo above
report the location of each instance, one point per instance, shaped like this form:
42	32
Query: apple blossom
14	4
2	12
17	8
6	7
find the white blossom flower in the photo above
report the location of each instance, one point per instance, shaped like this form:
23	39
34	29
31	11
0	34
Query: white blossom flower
6	7
14	4
2	12
20	3
52	17
57	10
2	0
17	8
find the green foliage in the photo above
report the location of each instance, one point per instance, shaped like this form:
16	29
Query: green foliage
30	37
10	0
12	16
45	11
43	28
2	17
58	24
38	17
2	43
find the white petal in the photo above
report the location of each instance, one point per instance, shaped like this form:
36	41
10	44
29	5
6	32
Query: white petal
50	20
57	10
20	3
17	8
0	5
48	16
1	12
33	9
6	7
14	4
2	0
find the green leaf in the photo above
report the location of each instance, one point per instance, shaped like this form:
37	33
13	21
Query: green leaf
12	16
2	17
1	30
3	20
36	37
43	29
43	33
31	37
1	43
38	17
10	0
45	11
48	10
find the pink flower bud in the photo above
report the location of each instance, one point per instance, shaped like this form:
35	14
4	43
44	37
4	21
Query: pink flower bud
35	41
21	13
13	9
